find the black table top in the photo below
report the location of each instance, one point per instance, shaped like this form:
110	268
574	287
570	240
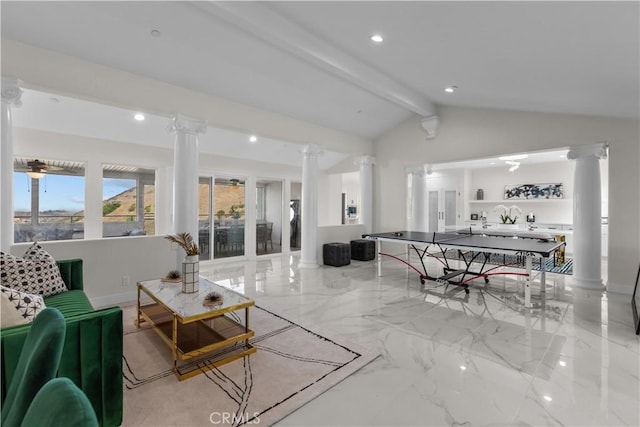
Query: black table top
479	242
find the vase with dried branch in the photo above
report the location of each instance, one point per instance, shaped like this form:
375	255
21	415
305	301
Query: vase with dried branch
190	265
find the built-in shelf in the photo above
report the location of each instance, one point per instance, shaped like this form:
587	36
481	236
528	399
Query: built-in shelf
516	201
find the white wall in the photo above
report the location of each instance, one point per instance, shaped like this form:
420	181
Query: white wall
493	181
351	187
296	190
334	185
468	133
334	193
108	261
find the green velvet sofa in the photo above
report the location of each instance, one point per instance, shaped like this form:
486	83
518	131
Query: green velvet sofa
92	352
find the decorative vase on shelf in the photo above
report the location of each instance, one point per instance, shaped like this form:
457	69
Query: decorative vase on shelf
190	274
480	194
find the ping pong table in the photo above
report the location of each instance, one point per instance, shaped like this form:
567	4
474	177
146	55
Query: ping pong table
473	251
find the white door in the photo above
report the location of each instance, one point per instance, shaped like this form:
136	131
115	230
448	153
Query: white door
450	214
443	203
434	210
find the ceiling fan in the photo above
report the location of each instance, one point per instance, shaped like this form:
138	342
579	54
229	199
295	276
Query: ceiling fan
36	169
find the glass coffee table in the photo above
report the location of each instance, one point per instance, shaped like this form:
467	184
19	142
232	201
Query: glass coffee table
200	337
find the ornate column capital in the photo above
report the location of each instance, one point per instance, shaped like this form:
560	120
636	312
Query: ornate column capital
365	161
430	126
311	150
11	92
421	170
599	151
185	124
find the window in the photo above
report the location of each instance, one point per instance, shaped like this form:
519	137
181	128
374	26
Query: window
260	202
295	216
229	197
269	216
128	201
204	217
48	200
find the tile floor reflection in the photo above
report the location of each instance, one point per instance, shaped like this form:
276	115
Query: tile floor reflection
448	358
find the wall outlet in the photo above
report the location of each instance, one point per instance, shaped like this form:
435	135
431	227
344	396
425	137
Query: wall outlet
126	281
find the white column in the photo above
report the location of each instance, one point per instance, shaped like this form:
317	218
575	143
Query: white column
11	94
93	198
587	215
309	217
418	221
185	173
286	221
250	217
366	191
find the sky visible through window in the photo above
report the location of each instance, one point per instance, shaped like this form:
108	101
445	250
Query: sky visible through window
63	192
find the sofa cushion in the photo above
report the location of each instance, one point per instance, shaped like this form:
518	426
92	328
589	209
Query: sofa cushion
35	273
70	303
19	308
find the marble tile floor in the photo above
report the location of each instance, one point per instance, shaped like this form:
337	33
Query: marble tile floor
450	359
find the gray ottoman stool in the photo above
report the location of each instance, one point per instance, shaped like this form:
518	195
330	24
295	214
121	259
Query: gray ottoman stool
336	254
363	249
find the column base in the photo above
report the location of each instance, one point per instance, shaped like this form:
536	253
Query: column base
304	264
584	283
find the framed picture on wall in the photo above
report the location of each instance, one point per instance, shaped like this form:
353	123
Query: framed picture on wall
635	304
533	191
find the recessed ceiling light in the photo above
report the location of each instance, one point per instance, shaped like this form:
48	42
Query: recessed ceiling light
253	138
547	398
450	89
377	38
562	363
139	117
514	157
156	33
463	368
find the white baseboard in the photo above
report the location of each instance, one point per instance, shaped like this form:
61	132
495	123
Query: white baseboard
616	288
115	299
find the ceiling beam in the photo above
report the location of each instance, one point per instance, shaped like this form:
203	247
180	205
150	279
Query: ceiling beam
267	25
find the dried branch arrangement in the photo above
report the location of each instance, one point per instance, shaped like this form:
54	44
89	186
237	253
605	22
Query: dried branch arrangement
185	241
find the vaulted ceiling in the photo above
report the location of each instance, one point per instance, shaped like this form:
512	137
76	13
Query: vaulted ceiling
315	61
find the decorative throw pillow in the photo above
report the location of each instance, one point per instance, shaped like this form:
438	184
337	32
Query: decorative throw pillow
19	308
36	273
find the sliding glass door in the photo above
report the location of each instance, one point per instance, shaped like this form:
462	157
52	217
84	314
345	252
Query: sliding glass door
204	218
268	216
295	218
229	223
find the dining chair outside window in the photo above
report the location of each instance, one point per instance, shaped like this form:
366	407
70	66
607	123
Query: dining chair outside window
261	237
235	238
221	238
269	232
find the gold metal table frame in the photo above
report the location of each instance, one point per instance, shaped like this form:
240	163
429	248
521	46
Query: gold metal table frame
194	331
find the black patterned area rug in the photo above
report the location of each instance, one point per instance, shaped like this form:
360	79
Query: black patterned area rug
292	365
513	261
